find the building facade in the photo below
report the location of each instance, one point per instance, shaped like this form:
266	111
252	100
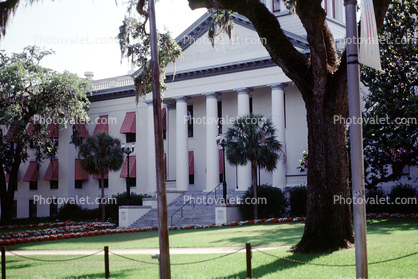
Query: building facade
207	89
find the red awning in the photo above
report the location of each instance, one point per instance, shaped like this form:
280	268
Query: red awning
79	173
106	176
52	171
82	130
129	123
52	131
11	134
191	162
30	129
31	173
221	161
164	118
102	125
132	168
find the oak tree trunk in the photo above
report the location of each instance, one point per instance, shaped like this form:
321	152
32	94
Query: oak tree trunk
328	224
7	192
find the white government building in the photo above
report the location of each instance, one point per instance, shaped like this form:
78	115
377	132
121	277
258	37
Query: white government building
233	79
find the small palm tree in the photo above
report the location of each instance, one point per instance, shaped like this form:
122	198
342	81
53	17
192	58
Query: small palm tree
252	138
100	154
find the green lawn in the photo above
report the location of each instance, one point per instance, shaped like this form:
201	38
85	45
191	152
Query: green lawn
386	239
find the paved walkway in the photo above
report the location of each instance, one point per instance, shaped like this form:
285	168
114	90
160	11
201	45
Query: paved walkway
145	251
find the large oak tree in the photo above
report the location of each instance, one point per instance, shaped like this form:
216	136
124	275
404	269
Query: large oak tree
28	90
321	78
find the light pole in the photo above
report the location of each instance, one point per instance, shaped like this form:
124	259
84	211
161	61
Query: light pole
128	150
222	142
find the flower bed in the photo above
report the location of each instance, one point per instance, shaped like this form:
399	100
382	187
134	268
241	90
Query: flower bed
76	230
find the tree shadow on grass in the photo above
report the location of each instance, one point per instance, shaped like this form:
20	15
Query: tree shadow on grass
280	236
390	225
275	265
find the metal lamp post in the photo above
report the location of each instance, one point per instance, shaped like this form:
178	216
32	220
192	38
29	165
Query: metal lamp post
128	150
222	142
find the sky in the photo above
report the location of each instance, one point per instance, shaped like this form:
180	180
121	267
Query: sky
82	32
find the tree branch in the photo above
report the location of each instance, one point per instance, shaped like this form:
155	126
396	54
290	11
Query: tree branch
294	64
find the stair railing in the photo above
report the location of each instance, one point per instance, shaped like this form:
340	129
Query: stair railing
181	207
214	189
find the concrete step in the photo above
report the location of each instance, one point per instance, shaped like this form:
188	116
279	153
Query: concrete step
198	209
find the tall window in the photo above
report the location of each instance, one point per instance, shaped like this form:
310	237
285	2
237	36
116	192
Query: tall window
33	209
190	125
330	8
251	105
53	184
53	208
132	182
130	137
78	184
106	183
33	185
276	6
14	209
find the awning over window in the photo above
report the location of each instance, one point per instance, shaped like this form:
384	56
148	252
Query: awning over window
129	123
82	130
102	125
132	168
31	174
164	118
31	129
97	176
52	131
221	161
79	173
191	162
52	171
11	134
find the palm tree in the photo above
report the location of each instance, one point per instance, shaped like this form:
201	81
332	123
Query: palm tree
253	138
100	154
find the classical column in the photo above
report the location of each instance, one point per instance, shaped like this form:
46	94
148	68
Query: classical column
212	153
278	118
151	172
244	172
182	155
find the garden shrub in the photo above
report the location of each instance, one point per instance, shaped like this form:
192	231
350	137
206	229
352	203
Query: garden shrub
70	211
403	193
274	207
374	204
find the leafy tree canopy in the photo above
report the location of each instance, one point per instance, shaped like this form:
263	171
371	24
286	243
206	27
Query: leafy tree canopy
390	121
30	92
135	44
